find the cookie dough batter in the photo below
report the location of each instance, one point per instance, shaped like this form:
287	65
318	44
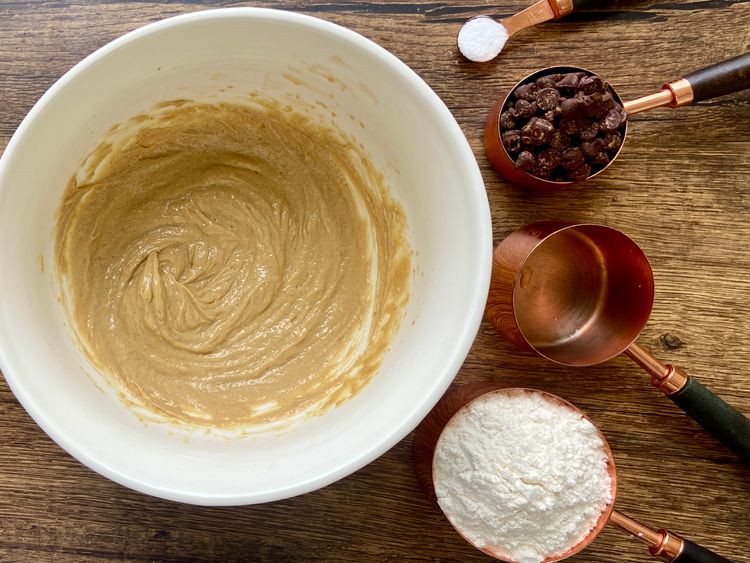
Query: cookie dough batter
229	265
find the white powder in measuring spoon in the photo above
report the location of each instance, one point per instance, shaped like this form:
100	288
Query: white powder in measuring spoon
521	472
481	39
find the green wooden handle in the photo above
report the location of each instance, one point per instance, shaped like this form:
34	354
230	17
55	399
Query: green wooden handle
722	420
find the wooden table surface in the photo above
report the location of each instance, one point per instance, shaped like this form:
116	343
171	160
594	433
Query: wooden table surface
681	189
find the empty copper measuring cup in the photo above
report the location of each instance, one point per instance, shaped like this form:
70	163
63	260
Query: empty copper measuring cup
727	77
579	295
663	544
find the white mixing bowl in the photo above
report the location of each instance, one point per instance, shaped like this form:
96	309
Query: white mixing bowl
223	55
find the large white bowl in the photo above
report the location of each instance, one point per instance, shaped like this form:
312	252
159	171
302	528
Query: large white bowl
224	54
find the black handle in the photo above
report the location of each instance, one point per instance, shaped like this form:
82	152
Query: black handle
720	79
725	422
693	553
582	3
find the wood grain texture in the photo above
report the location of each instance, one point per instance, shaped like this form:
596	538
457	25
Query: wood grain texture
681	189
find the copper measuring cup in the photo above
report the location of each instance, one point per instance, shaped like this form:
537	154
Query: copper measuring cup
727	77
579	295
663	544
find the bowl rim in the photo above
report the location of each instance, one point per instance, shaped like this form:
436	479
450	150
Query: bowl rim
464	338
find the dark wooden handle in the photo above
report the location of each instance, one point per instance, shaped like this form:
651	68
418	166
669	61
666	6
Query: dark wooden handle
586	3
722	420
693	553
720	79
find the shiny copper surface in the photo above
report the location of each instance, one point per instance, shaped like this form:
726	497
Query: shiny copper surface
663	544
659	99
682	92
673	94
576	294
665	377
562	7
499	157
671	546
539	12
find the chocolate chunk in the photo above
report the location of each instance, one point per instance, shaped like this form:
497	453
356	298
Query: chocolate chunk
549	159
526	161
581	173
613	120
591	148
543	173
572	158
537	132
512	140
547	81
526	91
572	108
611	141
550	115
592	84
508	120
599	158
560	141
525	109
571	126
569	80
547	98
588	131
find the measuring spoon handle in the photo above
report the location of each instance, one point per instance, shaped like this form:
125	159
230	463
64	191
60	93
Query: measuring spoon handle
726	423
709	410
723	78
693	553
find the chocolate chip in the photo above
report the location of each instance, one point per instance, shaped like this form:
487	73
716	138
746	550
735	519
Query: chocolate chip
571	126
526	161
549	158
547	81
508	120
588	131
580	173
526	91
560	141
592	84
599	158
613	120
569	80
611	141
525	109
512	140
537	132
543	173
590	148
572	108
572	158
547	99
550	115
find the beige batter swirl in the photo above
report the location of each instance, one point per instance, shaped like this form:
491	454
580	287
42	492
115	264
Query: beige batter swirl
231	265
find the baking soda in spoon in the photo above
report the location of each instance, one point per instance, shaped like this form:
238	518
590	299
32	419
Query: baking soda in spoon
521	474
481	39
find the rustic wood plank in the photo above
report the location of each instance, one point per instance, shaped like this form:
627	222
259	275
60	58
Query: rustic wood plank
681	188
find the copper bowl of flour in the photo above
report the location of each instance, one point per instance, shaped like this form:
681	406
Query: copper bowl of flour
97	296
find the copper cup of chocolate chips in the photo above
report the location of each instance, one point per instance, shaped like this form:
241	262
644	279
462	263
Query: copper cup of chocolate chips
556	127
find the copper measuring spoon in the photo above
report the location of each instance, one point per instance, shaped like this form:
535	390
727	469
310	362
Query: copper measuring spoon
541	11
579	295
663	544
727	77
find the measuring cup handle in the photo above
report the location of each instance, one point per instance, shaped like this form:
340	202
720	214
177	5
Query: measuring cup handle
720	79
693	553
722	420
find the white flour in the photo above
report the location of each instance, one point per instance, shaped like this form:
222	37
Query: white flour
481	39
521	472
